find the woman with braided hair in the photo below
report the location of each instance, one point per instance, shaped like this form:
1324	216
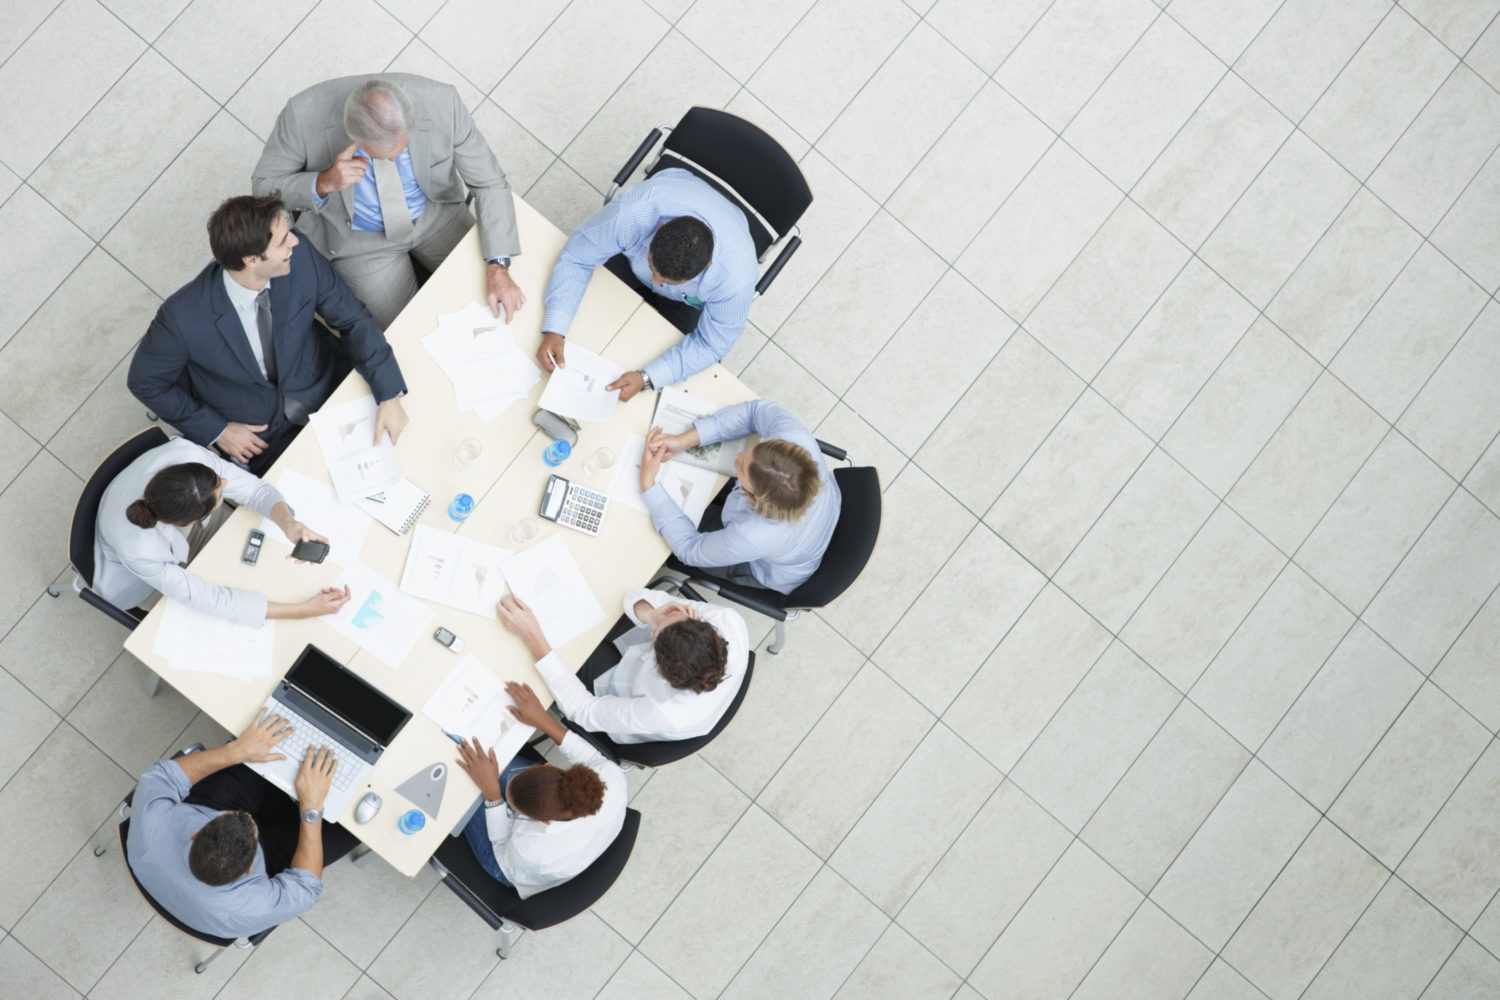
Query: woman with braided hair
772	529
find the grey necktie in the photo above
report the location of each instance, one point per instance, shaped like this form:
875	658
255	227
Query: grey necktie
263	321
393	208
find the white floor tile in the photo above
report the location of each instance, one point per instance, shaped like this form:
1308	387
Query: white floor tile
39	264
637	979
28	722
362	908
985	32
1152	957
483	40
35	515
572	959
1225	26
1397	946
1302	48
738	37
217	43
29	975
443	950
326	974
1454	417
18	20
1466	673
1456	863
899	966
1457	22
1221	982
1467	232
1471	974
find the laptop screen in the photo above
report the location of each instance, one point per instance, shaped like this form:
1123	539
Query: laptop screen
345	693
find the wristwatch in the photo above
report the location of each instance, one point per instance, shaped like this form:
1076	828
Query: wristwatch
311	815
504	262
645	380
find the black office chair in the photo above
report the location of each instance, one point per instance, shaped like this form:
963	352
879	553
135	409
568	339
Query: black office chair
848	551
654	754
84	525
502	907
123	834
746	166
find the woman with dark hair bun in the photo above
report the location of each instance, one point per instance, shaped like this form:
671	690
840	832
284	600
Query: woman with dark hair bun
157	514
541	824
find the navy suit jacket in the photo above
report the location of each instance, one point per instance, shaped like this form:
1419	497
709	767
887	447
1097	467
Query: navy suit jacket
195	369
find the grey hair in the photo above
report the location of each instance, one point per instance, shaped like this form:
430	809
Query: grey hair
378	112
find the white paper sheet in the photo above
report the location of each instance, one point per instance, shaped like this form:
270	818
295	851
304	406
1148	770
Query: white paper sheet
577	390
676	410
459	572
691	488
317	505
479	355
378	616
472	703
357	465
546	577
191	640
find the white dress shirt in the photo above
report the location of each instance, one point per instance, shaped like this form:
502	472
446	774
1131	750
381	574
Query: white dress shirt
536	856
130	563
243	300
634	703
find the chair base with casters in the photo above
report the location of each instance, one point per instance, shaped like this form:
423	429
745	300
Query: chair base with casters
122	831
848	551
502	907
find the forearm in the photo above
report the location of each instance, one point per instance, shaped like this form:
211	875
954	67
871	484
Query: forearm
278	609
309	853
200	765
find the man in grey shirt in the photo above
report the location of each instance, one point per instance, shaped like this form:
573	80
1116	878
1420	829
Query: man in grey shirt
222	849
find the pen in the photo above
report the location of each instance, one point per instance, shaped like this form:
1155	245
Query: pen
454	737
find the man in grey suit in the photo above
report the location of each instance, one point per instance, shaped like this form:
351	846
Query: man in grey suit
379	169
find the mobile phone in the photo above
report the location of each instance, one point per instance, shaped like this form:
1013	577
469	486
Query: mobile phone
313	552
448	639
252	547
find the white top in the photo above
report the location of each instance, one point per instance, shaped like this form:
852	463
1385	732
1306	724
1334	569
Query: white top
243	300
131	563
635	704
537	856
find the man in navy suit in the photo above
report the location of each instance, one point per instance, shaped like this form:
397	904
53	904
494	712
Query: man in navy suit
235	359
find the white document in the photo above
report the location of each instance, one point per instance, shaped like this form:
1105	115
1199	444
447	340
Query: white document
577	391
379	616
479	355
459	572
472	703
317	505
191	640
676	410
546	577
690	487
346	435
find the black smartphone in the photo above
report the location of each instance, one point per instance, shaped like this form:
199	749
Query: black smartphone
313	552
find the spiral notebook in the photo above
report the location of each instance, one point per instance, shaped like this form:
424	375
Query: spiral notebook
398	506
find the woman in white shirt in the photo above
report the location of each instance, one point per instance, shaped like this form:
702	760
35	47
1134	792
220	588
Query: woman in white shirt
541	824
677	674
156	514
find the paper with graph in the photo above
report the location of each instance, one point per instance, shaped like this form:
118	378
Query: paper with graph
378	616
459	572
547	578
690	487
346	435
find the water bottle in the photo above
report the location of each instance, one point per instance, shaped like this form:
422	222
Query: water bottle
411	821
557	452
461	507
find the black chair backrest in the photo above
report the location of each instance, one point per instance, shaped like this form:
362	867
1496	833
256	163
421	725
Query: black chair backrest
748	160
495	902
663	752
86	510
852	542
166	914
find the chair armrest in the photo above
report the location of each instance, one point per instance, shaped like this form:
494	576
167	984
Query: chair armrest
123	617
833	451
635	161
757	599
776	265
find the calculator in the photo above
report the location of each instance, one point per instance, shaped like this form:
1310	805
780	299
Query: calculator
574	506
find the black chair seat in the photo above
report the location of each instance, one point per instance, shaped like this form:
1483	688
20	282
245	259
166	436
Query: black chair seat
681	315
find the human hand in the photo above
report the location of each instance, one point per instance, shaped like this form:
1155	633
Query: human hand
390	416
675	444
629	384
550	354
528	708
504	291
240	441
255	743
520	620
346	171
314	777
651	460
481	767
296	531
325	602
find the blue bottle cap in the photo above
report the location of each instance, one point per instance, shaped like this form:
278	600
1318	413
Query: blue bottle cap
411	821
461	507
557	452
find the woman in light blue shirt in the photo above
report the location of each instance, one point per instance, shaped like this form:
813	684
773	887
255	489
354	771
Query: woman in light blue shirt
777	520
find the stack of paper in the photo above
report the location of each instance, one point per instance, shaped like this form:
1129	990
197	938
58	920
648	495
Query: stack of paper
317	505
478	353
191	640
459	572
689	486
346	436
676	411
577	390
379	616
472	703
547	579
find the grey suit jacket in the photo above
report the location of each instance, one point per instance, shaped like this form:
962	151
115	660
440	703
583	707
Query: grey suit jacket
449	157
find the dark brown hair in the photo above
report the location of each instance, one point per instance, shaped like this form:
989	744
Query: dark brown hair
178	494
224	849
691	655
556	793
783	480
682	248
241	227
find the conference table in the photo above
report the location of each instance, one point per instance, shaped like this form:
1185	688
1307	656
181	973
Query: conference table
506	480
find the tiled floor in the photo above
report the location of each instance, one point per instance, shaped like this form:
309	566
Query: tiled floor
1172	334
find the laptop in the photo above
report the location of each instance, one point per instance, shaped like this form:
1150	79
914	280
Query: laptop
327	703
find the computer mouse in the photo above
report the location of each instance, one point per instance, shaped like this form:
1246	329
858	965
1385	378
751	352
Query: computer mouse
367	808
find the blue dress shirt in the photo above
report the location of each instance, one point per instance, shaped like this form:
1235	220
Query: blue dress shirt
367	214
626	226
781	554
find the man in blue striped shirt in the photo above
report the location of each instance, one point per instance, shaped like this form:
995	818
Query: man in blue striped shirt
684	241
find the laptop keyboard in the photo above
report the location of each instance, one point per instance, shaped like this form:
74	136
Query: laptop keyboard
306	736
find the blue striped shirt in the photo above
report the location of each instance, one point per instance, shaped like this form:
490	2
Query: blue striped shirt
626	226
